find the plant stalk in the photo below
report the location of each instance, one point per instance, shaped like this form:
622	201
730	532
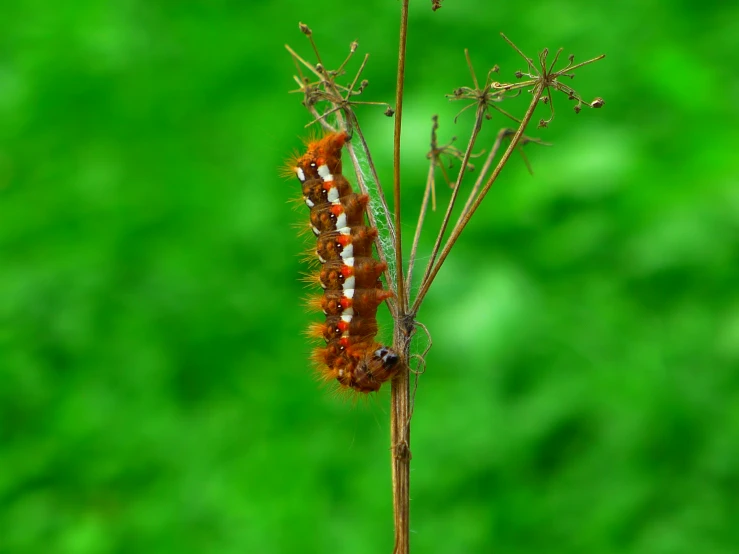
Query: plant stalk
400	409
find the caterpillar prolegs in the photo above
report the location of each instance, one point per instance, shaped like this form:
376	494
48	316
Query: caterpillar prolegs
349	274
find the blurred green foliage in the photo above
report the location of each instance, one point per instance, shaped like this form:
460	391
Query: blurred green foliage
582	392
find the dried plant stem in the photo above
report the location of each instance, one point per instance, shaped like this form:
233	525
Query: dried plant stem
400	409
400	82
457	231
419	226
479	115
485	168
400	438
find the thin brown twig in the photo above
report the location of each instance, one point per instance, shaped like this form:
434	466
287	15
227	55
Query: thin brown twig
485	168
400	432
419	225
434	157
400	83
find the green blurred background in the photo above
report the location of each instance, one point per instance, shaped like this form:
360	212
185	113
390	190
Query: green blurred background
582	392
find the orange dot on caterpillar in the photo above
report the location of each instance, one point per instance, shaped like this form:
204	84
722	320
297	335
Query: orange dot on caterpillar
364	273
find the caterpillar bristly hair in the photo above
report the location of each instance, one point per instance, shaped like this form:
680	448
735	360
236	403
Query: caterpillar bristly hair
349	274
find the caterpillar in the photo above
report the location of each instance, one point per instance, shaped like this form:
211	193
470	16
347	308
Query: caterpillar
349	275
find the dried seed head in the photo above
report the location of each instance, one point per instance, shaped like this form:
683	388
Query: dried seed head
389	112
305	29
598	103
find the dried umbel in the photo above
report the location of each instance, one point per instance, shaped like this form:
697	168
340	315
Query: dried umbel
349	274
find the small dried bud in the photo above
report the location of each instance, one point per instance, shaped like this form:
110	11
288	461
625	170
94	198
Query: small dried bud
519	74
577	107
544	100
543	123
319	68
598	103
353	47
363	84
305	29
458	92
496	68
571	58
488	116
389	112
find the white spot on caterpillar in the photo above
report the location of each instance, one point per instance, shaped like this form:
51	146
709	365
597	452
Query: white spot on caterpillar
349	262
348	311
324	172
328	178
300	174
349	282
349	294
320	259
348	251
346	318
344	230
333	195
316	231
308	202
341	221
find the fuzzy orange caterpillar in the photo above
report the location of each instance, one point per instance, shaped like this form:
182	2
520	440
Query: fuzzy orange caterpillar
349	274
